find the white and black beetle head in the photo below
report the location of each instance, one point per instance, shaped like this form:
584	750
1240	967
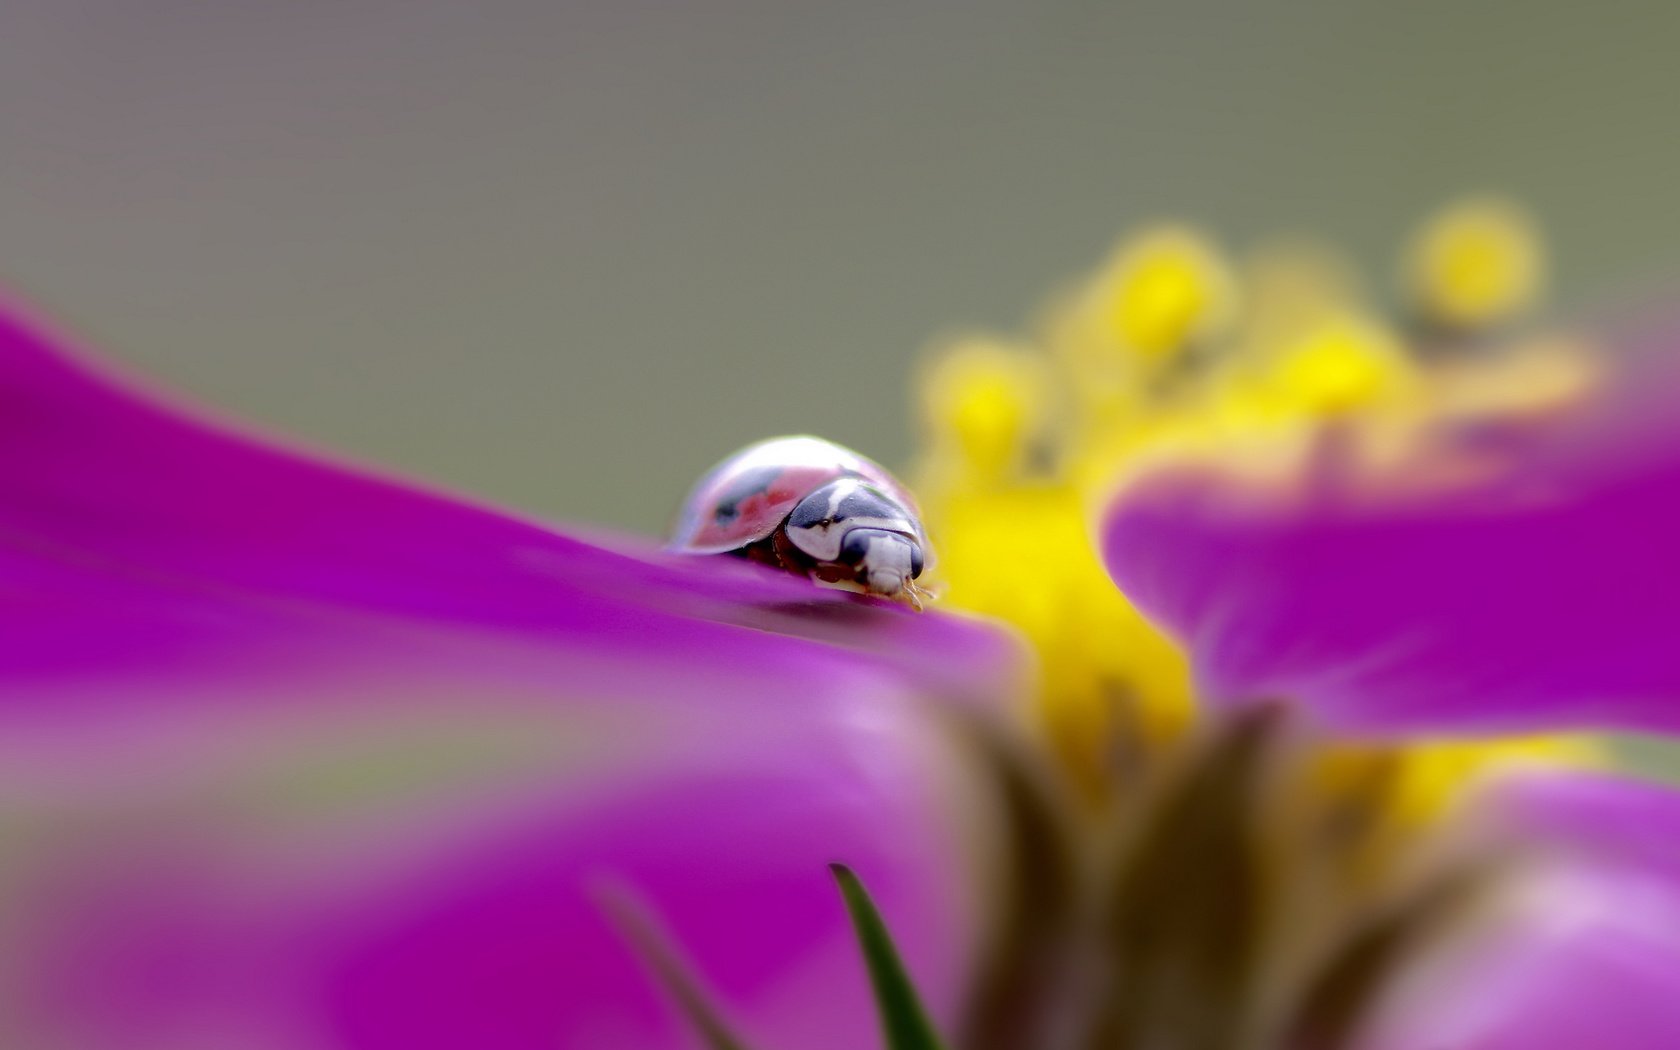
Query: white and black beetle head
849	524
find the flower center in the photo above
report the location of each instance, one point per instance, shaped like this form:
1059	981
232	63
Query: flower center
1255	887
1180	879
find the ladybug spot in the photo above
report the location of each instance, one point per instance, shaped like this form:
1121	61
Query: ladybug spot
741	489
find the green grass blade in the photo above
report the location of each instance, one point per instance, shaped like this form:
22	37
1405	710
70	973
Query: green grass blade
655	949
903	1020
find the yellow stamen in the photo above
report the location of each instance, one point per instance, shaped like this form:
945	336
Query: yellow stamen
983	404
1024	555
1346	363
1163	290
1475	264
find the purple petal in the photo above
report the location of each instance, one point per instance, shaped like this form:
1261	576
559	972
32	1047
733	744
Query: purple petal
1584	952
1602	816
1588	961
295	757
1503	577
112	489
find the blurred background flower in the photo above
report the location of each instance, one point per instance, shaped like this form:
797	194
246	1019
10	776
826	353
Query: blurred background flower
1359	552
298	757
564	257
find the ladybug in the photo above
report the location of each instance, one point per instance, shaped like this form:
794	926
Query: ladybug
811	507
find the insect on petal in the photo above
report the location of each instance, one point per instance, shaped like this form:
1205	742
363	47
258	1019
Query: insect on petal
291	755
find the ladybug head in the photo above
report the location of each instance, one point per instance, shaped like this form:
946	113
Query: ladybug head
851	525
883	561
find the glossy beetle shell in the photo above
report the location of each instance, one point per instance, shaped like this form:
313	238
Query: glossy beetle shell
748	496
809	506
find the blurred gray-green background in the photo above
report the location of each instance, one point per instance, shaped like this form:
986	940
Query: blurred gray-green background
563	255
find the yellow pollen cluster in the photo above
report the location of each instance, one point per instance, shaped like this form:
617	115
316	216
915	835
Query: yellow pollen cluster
1476	264
1171	345
1163	290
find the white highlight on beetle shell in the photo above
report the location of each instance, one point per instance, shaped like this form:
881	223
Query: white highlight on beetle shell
799	450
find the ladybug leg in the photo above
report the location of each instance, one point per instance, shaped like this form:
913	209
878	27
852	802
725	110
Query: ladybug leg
916	596
762	553
789	557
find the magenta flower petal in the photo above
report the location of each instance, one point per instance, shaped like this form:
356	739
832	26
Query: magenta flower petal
295	757
1602	816
1585	961
1509	577
111	489
1585	951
